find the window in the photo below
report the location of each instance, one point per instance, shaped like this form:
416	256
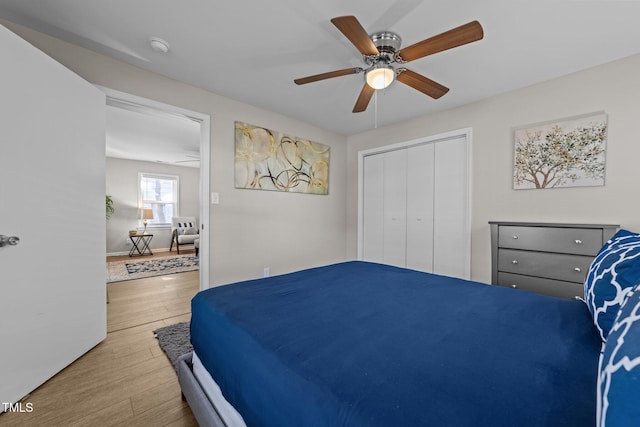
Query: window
159	193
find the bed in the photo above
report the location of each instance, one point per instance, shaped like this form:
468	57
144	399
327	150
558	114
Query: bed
365	344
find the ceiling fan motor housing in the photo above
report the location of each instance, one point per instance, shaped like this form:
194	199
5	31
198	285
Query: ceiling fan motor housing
388	44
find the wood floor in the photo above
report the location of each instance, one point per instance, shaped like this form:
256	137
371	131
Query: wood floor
126	380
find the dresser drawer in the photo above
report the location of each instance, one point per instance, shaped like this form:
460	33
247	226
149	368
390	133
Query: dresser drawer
555	288
569	268
580	241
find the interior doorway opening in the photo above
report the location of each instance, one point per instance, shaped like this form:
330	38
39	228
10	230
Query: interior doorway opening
157	110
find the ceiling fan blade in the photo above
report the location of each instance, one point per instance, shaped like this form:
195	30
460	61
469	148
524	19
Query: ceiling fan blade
363	100
329	75
458	36
421	83
353	30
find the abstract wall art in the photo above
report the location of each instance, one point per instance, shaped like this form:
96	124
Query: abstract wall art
270	160
562	153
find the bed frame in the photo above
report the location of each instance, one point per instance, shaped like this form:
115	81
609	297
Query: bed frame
203	409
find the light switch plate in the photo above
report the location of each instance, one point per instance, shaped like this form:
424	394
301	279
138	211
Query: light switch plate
215	198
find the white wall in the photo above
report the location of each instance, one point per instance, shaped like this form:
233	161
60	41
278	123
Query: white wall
122	185
250	229
613	88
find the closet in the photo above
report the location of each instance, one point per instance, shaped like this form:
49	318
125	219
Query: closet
415	205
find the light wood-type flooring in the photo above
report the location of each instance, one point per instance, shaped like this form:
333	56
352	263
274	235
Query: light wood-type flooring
126	380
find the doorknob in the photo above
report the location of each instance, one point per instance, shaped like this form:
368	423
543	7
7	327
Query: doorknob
8	240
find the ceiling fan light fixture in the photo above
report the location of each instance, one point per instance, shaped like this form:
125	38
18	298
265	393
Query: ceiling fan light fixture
380	76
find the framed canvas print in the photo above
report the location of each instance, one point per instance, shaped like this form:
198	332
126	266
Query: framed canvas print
563	153
270	160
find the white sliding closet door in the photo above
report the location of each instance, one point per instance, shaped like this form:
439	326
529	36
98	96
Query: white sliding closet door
394	191
420	207
373	212
451	209
415	206
385	189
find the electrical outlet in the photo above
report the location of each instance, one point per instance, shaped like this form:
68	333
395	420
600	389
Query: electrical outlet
266	272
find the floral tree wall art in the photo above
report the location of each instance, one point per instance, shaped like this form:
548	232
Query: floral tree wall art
270	160
567	153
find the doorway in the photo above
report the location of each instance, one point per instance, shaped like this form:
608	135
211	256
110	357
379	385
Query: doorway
128	101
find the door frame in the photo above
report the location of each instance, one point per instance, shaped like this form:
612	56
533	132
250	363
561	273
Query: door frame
463	132
204	120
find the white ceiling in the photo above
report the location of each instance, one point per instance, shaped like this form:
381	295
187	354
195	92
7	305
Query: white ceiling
138	133
252	50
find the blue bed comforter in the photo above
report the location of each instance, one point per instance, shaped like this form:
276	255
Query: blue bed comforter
363	344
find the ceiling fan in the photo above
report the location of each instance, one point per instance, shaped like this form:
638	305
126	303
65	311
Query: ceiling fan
381	49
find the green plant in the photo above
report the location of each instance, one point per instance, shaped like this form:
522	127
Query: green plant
110	209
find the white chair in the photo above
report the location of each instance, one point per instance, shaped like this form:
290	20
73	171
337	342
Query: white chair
184	231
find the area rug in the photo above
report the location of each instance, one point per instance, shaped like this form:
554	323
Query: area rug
118	271
174	340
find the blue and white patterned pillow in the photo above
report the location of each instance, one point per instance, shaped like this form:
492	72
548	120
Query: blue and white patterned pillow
619	368
614	271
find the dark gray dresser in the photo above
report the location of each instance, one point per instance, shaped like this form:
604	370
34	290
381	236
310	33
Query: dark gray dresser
547	258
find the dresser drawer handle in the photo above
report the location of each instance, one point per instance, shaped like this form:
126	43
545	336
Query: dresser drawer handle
577	269
515	261
578	242
515	237
514	286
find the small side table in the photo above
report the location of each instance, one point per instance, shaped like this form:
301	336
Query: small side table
140	244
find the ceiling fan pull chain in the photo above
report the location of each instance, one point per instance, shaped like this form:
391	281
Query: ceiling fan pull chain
375	112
